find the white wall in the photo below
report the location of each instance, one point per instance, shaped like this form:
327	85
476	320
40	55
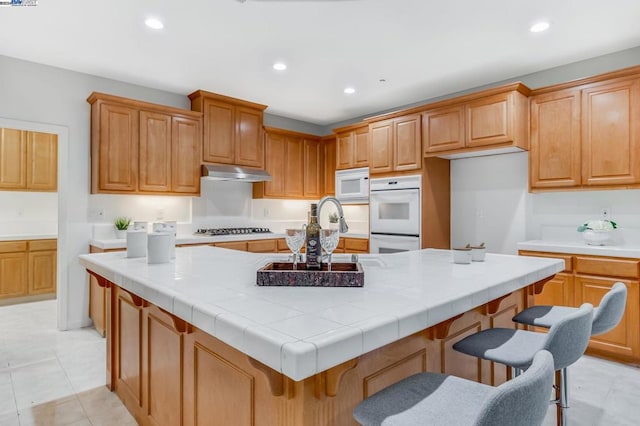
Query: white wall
28	213
146	208
489	201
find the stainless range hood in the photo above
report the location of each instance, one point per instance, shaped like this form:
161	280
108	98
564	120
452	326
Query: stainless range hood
237	173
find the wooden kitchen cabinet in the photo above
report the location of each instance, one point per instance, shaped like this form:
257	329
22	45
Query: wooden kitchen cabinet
232	245
554	152
14	269
586	134
294	162
329	152
143	148
586	279
493	120
28	160
232	129
352	147
313	169
262	246
27	268
395	144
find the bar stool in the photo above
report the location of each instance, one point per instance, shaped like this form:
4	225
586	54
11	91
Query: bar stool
567	340
441	399
605	317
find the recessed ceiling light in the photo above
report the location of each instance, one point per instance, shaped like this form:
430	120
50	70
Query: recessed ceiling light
349	90
539	27
279	66
154	23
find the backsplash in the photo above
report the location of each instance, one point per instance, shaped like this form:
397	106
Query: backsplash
28	213
148	208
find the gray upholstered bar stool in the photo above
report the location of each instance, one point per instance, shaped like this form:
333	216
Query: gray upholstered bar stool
605	317
441	399
566	340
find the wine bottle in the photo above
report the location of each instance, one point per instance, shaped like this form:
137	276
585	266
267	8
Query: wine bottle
314	250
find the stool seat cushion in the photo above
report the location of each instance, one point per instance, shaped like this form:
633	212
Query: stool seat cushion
515	348
425	398
543	316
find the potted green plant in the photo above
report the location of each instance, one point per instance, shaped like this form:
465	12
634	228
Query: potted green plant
121	223
333	219
597	232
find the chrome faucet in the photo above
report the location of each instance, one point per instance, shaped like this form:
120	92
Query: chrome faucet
343	223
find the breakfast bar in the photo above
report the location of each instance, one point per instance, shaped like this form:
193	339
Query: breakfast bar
191	341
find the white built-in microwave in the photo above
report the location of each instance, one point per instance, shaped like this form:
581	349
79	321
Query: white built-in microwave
352	185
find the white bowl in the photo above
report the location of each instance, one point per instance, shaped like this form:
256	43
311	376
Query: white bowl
477	253
596	237
461	255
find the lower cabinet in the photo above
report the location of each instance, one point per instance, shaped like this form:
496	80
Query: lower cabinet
27	268
168	372
586	279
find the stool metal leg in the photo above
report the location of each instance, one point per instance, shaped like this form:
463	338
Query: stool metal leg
564	397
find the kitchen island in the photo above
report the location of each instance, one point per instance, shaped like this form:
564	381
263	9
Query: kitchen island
195	341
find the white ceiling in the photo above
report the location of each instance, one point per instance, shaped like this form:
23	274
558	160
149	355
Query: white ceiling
422	48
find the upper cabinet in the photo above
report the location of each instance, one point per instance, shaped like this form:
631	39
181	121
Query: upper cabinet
329	153
352	147
585	134
233	132
491	121
28	160
294	161
395	144
143	148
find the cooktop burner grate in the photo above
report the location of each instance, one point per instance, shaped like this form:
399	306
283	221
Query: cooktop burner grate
232	231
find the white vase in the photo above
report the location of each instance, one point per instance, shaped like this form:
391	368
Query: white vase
121	234
596	237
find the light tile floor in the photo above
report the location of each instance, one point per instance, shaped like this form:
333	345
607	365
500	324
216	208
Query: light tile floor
54	378
49	377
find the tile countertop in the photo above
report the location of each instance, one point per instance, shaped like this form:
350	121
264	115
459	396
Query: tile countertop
624	250
202	239
22	237
300	331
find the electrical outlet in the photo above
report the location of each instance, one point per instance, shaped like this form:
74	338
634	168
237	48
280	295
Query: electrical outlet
95	214
605	213
265	212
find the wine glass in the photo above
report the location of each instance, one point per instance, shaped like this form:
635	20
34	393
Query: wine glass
329	241
295	240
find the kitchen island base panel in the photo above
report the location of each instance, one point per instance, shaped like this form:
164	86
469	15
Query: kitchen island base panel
168	372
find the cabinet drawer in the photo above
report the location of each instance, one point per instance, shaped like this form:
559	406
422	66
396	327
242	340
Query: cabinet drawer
282	245
568	265
626	268
356	244
232	245
13	246
39	245
262	246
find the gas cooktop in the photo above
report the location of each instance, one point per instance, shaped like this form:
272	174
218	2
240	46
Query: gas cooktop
232	231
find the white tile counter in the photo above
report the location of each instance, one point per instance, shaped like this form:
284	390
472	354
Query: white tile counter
300	331
624	250
23	237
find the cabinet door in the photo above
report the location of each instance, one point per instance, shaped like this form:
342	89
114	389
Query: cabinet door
249	143
380	150
118	148
13	158
344	150
219	132
361	147
329	148
186	140
610	133
489	120
42	272
262	246
558	291
233	245
155	152
42	161
13	274
408	143
623	342
275	158
294	167
554	153
443	129
313	170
